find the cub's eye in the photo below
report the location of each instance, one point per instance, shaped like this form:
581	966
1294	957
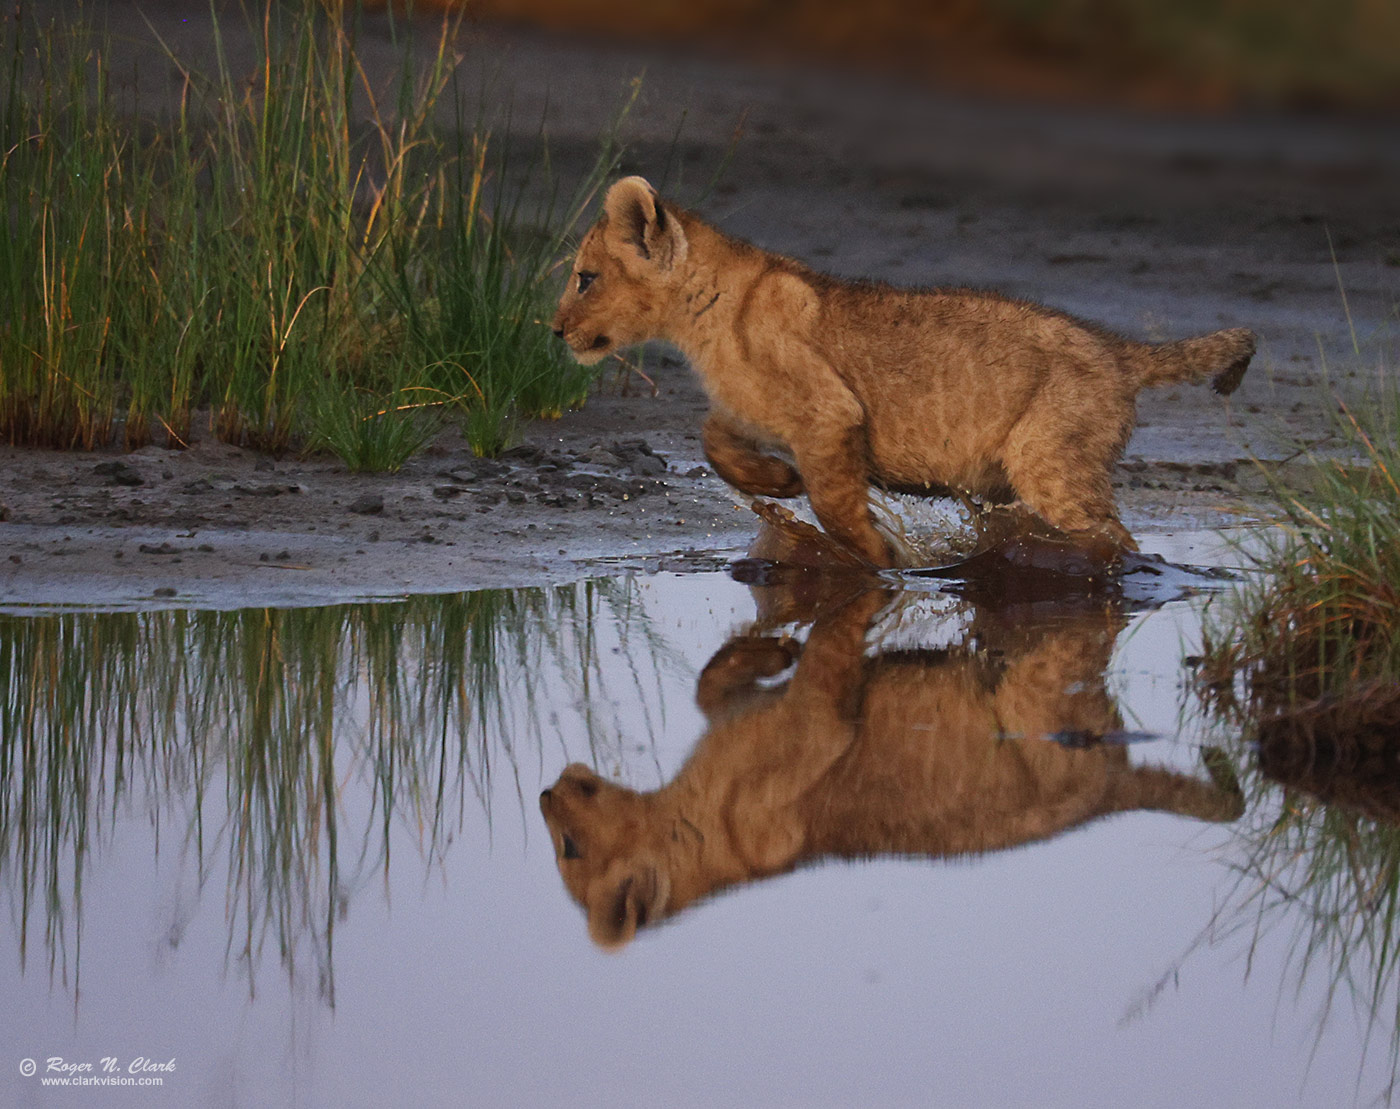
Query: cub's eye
571	850
585	279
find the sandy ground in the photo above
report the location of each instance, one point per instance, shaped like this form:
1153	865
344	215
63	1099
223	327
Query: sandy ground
1157	226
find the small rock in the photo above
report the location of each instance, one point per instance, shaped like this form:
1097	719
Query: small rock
119	473
474	469
163	549
443	492
601	456
164	591
583	481
647	465
626	448
369	504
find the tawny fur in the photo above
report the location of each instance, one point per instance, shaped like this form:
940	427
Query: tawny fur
824	386
928	754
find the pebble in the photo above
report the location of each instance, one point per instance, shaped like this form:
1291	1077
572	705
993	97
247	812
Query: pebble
600	456
119	473
474	469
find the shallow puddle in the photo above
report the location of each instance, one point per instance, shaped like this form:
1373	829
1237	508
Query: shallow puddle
301	854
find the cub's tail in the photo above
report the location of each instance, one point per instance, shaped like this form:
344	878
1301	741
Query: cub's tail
1223	356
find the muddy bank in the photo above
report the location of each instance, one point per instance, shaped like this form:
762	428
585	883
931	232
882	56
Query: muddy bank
621	484
221	525
1157	226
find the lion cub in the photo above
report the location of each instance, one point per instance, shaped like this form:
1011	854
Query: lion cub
823	386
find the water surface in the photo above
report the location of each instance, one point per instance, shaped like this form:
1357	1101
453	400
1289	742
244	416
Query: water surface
300	853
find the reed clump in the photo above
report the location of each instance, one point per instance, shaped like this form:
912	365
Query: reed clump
1318	623
316	257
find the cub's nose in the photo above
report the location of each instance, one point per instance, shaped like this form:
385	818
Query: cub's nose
558	332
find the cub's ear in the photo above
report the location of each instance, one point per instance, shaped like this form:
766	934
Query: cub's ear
639	219
629	896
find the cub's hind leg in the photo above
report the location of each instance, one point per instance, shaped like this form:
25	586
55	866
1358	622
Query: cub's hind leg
738	459
1061	471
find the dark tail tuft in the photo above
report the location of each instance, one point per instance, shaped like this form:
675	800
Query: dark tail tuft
1223	356
1226	381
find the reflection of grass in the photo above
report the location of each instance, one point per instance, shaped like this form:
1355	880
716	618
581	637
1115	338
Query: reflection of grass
258	253
422	702
1327	876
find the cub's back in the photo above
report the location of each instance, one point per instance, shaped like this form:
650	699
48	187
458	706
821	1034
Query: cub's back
947	759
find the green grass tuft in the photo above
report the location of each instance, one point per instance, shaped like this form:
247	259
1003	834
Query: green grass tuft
1320	617
292	240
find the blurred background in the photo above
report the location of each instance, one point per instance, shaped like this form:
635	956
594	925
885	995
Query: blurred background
1186	53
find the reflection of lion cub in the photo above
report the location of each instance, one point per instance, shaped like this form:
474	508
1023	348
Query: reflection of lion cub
912	753
852	383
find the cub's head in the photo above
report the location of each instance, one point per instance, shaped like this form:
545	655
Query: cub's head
620	287
604	843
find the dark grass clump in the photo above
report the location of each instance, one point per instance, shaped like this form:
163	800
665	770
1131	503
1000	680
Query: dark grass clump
1318	625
